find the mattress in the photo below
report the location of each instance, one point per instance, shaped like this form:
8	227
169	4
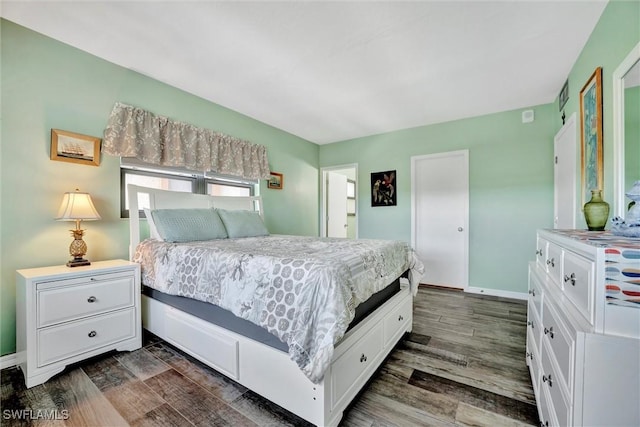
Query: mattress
227	320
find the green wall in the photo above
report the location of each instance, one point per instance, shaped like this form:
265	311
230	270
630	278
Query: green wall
616	33
511	164
510	186
46	84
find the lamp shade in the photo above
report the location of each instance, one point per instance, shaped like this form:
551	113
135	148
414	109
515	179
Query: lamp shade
77	205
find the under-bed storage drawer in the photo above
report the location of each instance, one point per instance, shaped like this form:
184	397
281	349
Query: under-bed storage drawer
355	362
396	322
201	339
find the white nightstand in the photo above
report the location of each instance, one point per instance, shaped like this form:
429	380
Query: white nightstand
64	315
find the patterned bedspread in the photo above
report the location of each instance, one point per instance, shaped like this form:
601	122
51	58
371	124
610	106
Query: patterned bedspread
304	290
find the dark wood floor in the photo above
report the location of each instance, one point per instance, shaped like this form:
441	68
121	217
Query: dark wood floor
463	364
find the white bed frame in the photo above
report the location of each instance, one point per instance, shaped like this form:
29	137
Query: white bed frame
263	369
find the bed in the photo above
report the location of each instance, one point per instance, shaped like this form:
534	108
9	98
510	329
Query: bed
311	355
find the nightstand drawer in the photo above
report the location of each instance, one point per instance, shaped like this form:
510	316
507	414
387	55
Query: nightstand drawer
73	338
73	301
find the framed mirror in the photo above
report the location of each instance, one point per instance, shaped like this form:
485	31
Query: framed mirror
626	129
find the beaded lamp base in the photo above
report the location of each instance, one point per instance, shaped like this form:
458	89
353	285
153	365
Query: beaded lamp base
77	249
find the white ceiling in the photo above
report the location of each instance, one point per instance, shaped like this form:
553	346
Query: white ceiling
330	71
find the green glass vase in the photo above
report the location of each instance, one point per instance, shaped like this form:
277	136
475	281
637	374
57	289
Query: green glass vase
596	211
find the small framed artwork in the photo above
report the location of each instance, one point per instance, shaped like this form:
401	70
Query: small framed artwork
383	188
591	135
564	95
276	181
75	148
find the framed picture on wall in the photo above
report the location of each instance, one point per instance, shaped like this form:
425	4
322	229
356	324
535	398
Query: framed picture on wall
383	188
563	97
276	181
75	148
591	135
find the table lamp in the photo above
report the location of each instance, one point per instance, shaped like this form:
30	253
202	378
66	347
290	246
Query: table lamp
77	206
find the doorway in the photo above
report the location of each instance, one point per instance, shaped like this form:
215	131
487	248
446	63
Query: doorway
339	210
564	175
440	217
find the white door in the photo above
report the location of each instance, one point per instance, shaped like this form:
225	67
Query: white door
564	175
336	205
440	217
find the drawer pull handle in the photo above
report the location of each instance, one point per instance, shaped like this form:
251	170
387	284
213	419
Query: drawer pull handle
400	318
363	358
530	323
551	262
539	252
571	278
544	424
547	379
92	334
549	332
91	299
532	292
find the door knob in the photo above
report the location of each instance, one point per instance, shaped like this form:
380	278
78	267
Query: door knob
460	228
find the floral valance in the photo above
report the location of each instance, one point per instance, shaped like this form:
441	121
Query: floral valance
134	132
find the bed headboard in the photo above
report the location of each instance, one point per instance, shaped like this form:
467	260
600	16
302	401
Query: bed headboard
165	199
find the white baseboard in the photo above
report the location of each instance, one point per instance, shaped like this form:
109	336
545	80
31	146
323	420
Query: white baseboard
8	361
498	293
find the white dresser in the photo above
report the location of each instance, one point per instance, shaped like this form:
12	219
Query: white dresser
583	328
64	315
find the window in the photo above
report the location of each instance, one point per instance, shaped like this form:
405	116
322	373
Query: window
137	173
351	197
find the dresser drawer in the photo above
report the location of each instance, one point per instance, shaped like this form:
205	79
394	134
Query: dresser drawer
554	263
397	320
75	299
535	292
546	411
534	325
355	362
561	340
578	278
533	361
549	384
70	339
541	253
